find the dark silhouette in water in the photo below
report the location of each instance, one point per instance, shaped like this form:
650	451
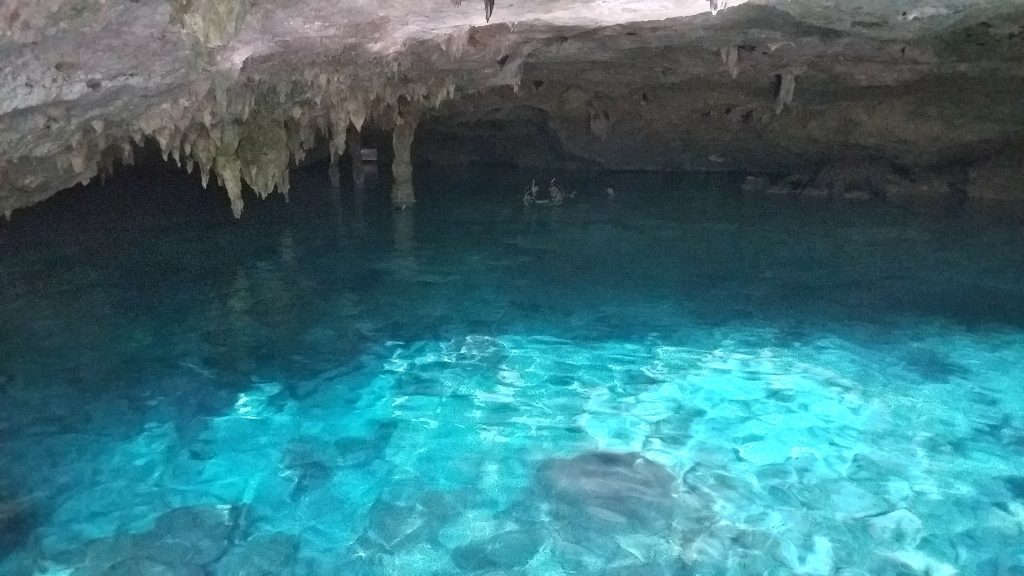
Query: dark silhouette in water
18	520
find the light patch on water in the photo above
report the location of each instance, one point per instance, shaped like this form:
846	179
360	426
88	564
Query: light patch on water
793	463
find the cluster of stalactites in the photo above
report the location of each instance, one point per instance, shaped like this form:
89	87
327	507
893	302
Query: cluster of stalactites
247	132
252	132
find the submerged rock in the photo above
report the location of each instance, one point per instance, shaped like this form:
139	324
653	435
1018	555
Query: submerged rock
196	534
621	508
933	366
859	179
791	185
610	491
182	542
262	555
393	525
847	499
756	184
815	560
311	464
613	508
354	451
504	551
897	530
482	349
17	522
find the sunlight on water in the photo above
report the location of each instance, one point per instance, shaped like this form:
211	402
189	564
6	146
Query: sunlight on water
592	391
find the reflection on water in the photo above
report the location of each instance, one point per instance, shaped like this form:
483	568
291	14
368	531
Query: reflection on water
676	380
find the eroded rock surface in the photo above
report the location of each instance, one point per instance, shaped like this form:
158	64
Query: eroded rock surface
241	89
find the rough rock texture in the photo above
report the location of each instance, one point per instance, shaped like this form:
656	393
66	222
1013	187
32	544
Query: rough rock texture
239	88
765	89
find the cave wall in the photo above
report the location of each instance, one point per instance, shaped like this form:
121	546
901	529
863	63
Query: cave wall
942	111
910	97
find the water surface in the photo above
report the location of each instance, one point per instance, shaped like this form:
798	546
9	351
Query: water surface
680	380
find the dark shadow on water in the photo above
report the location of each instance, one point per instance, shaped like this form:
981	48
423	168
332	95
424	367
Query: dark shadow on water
933	366
159	273
19	517
153	268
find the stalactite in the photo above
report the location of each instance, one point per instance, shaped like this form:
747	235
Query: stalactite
357	113
106	165
79	154
263	154
127	154
339	126
203	151
248	131
302	132
334	175
228	167
488	8
785	85
354	144
402	194
731	59
600	122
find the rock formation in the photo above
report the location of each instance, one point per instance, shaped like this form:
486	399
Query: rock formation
243	89
402	194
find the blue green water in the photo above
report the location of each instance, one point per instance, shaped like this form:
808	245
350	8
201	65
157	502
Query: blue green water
682	380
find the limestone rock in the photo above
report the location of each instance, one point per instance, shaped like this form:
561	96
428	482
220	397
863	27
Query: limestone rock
784	90
210	22
619	491
241	89
792	185
756	184
859	179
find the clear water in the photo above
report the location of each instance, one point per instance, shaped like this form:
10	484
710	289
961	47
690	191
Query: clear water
682	380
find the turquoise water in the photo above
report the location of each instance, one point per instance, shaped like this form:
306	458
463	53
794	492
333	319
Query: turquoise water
681	380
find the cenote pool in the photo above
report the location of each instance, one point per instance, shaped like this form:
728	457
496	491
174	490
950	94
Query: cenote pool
681	380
